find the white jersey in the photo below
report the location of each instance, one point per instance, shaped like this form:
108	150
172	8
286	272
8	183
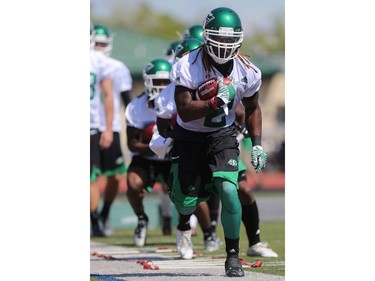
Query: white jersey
99	70
139	116
121	81
191	75
165	106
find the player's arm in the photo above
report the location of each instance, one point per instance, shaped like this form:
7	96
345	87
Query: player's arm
240	114
189	109
125	85
164	127
126	97
253	118
134	141
107	136
240	120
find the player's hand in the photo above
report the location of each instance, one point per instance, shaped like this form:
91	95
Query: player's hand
258	158
225	93
106	139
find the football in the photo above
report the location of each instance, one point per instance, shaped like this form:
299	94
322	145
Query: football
207	89
147	133
210	87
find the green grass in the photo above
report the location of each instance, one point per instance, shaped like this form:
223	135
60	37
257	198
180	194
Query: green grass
271	232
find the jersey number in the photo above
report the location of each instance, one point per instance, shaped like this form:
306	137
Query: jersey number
92	85
217	118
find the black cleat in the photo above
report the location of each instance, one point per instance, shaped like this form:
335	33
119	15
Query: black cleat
233	267
167	226
96	231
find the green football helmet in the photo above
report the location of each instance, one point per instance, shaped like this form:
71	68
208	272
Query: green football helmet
187	45
170	51
222	34
195	31
156	77
103	39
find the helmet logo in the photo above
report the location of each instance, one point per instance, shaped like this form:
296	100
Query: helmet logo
178	48
149	67
210	17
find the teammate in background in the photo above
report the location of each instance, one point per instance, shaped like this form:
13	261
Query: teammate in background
169	53
205	148
250	213
100	84
166	112
104	43
113	167
194	31
145	168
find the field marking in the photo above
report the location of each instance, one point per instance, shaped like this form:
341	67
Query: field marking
105	277
168	258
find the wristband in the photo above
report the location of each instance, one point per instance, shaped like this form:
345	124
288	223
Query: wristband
256	140
242	129
213	103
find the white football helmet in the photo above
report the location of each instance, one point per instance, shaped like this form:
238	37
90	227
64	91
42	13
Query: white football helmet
103	39
156	77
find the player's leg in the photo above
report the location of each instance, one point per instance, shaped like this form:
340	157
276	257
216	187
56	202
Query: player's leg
94	188
109	196
186	168
162	169
113	175
225	175
96	230
165	210
203	215
250	219
214	209
231	220
137	179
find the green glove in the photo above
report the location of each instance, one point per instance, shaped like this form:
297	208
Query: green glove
226	93
258	158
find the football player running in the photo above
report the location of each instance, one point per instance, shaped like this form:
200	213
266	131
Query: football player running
145	168
166	111
113	166
205	149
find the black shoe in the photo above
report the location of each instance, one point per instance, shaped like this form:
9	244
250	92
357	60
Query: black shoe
167	226
96	231
95	227
233	267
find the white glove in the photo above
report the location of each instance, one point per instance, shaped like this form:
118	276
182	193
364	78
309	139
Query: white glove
160	146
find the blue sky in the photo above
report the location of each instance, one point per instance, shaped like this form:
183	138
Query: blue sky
259	13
